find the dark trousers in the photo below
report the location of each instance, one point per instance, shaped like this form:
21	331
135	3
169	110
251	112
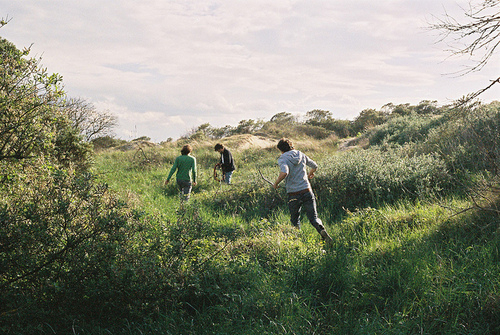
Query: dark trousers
307	202
185	187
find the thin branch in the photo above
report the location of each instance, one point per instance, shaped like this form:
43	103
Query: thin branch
476	94
265	179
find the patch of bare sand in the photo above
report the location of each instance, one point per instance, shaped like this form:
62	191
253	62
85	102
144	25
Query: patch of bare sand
247	141
353	143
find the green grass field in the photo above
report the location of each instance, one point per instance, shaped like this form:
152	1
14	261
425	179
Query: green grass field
233	263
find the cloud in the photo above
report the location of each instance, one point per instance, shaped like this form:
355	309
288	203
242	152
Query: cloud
165	67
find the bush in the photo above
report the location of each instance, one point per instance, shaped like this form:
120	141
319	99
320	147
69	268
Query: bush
404	129
364	178
106	142
315	132
60	235
470	142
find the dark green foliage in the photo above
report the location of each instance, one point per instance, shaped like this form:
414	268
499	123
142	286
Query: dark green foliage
31	124
315	132
324	119
341	128
142	138
59	237
69	148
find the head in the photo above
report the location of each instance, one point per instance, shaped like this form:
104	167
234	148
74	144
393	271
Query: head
219	147
285	145
186	150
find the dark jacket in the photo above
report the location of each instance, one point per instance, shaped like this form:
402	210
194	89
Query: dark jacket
227	161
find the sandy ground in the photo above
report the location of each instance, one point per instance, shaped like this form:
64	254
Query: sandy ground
247	141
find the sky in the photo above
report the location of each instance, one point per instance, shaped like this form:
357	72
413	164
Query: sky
164	67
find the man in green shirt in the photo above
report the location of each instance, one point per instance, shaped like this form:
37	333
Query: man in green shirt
185	165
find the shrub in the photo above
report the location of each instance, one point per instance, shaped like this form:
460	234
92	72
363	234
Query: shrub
363	178
470	142
315	132
106	142
60	234
403	129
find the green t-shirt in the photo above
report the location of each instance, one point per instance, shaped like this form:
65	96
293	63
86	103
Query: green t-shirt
186	168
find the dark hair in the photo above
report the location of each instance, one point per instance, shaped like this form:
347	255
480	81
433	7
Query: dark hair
285	145
218	146
186	149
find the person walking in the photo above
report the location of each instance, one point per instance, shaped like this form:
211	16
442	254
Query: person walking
226	162
293	169
185	166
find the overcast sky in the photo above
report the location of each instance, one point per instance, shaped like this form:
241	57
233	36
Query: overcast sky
164	67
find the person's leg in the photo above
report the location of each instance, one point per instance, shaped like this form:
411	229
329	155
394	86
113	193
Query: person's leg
227	177
185	187
294	205
309	202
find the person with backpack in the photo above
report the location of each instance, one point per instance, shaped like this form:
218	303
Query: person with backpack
293	170
185	166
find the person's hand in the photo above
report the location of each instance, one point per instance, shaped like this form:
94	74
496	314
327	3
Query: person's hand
311	175
275	186
194	184
166	182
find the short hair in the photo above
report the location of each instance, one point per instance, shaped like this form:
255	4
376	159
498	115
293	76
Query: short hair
186	149
285	145
218	146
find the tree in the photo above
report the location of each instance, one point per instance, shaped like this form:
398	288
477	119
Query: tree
248	126
342	128
28	96
397	110
427	107
216	133
369	118
478	38
317	116
283	117
90	122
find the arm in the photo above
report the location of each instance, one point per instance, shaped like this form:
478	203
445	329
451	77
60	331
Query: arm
281	176
172	170
311	173
312	164
194	171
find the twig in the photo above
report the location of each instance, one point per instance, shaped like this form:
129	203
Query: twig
272	185
474	95
265	179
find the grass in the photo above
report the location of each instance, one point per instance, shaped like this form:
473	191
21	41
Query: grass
230	262
404	267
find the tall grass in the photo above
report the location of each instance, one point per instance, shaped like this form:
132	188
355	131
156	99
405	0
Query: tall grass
361	178
400	263
229	262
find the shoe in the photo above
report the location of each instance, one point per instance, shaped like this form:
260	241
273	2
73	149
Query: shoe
326	237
